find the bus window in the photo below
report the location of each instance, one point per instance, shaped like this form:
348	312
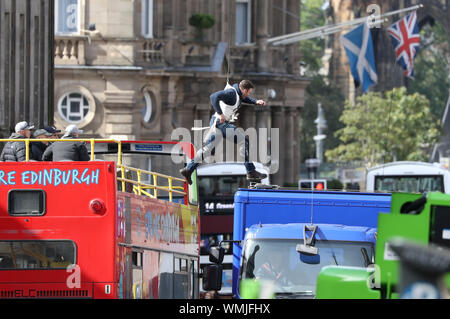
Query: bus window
220	185
409	184
38	254
193	282
26	202
137	274
180	276
209	240
166	269
408	176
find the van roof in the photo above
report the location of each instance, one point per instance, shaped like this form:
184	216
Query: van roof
324	232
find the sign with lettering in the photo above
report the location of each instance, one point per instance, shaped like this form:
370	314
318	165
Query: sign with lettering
217	206
52	176
159	224
148	147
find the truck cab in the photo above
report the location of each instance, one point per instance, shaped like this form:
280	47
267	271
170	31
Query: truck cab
272	252
422	219
306	230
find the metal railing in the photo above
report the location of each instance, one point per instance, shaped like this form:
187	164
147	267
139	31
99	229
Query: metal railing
139	187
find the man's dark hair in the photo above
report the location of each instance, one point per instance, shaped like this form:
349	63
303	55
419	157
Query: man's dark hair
246	85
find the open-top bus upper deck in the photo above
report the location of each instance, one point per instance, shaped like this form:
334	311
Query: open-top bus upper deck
67	230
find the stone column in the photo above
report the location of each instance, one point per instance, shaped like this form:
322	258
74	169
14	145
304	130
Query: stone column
263	147
204	114
296	117
262	34
247	117
166	110
292	23
262	114
120	117
277	120
185	115
119	110
289	147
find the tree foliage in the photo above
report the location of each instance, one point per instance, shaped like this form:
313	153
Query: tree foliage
431	68
202	21
312	16
381	128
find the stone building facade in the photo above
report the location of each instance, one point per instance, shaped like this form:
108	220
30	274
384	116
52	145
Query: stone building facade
26	63
140	72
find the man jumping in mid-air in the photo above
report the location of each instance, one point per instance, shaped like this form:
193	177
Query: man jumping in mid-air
226	103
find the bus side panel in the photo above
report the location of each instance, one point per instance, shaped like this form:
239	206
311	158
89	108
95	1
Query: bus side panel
69	189
158	224
150	227
151	274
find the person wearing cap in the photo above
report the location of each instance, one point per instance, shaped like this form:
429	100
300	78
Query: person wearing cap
67	151
53	131
38	147
16	151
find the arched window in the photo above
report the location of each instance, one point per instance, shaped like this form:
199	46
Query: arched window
147	109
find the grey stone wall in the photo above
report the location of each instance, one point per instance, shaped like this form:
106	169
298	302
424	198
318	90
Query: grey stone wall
26	63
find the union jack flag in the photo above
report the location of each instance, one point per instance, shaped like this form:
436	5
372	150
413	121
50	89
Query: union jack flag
406	39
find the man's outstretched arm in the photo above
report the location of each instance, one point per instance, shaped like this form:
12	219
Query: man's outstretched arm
250	100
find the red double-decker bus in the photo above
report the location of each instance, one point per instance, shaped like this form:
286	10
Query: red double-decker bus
98	229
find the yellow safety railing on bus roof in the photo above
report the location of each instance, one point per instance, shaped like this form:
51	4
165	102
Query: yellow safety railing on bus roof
139	187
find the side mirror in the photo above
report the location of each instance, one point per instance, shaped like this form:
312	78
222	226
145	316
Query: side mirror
212	277
216	254
192	189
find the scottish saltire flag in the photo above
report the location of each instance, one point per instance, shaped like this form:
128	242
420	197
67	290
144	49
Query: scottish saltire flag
359	48
406	39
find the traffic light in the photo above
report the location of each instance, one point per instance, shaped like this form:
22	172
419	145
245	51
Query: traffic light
319	186
312	184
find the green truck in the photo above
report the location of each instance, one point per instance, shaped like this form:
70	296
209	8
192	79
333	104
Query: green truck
421	219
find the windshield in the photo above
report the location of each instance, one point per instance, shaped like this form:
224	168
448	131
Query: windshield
409	184
293	272
220	185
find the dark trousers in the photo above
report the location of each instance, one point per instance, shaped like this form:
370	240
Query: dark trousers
237	136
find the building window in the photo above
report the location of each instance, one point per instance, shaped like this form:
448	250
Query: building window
67	16
243	21
147	18
73	107
147	109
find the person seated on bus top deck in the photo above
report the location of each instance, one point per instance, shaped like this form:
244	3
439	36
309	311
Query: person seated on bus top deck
67	151
38	147
16	151
53	131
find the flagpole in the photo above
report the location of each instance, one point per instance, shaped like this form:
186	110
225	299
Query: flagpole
390	13
325	30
